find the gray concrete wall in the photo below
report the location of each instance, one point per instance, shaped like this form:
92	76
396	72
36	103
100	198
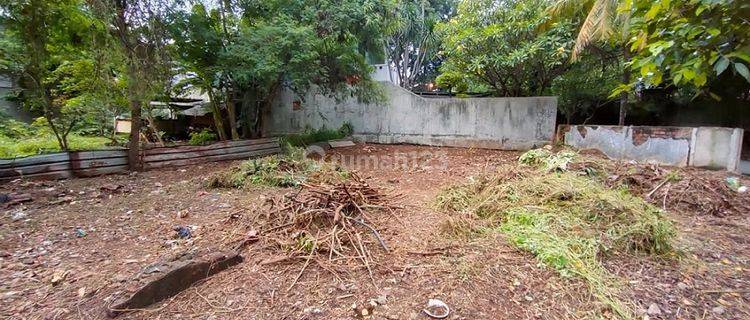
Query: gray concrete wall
497	123
10	108
710	147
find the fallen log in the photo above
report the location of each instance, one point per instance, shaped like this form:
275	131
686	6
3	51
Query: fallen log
181	277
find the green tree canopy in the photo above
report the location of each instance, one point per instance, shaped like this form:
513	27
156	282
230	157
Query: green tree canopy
689	42
500	45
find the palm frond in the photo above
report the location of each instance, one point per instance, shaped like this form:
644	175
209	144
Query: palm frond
594	27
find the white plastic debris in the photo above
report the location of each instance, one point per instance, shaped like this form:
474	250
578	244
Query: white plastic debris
436	309
742	189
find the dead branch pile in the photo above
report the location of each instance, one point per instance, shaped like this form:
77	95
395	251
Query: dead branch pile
687	190
328	221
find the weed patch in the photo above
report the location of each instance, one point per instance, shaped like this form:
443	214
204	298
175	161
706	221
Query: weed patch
312	136
290	169
569	221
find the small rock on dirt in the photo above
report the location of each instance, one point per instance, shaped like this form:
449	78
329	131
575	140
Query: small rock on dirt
718	310
653	310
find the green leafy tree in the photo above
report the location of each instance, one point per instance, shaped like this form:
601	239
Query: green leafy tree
413	46
687	43
40	36
500	45
602	22
304	44
138	27
587	85
198	44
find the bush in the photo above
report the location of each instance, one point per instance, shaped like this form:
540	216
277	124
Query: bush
283	170
10	148
312	136
202	137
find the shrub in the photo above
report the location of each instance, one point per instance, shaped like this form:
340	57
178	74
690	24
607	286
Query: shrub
311	136
283	170
202	137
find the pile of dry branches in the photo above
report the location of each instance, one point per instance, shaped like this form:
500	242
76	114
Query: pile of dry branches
326	222
684	190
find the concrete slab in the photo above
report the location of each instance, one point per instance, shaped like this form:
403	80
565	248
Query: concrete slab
745	167
341	143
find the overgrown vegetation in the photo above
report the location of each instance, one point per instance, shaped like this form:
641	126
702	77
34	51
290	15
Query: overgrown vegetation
311	136
202	137
19	139
289	169
567	220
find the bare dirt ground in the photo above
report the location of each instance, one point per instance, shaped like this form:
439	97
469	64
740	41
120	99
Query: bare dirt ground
90	236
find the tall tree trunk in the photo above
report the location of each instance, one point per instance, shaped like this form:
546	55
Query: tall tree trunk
134	159
216	111
624	94
232	115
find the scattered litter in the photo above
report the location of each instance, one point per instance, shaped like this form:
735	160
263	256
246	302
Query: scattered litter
80	232
183	214
58	277
183	232
436	309
18	215
733	183
364	311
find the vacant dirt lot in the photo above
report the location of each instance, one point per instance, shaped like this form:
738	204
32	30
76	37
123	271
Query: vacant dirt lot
91	236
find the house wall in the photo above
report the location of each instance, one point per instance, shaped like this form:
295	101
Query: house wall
710	147
497	123
10	108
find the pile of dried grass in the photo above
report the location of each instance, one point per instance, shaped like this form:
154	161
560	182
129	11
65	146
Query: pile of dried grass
568	220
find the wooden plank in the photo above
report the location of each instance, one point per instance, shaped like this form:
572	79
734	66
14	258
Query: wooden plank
94	163
98	154
196	154
65	174
93	172
34	160
218	145
224	157
35	169
61	156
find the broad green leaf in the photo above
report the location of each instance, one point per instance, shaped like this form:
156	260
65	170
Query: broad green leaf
721	65
742	70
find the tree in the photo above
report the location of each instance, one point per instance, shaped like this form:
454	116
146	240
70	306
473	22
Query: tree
39	37
138	27
198	44
603	21
689	42
500	45
302	45
413	46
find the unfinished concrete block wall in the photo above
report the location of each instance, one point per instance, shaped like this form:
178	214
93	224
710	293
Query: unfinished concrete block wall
497	123
709	147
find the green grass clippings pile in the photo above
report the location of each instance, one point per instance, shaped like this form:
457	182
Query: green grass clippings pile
568	220
289	169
